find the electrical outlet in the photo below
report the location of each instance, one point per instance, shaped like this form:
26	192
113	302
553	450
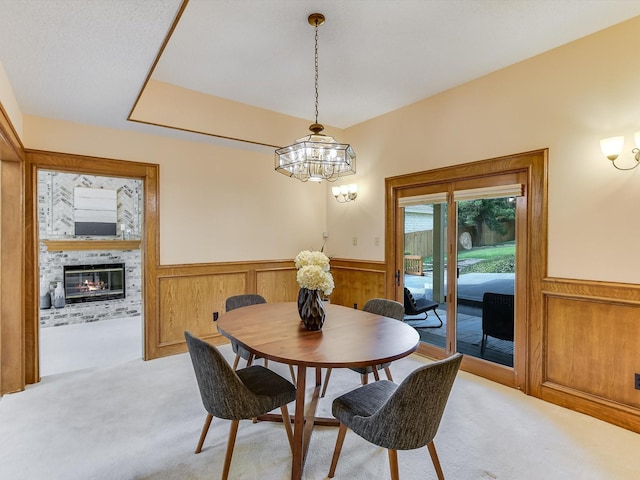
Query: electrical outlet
637	381
215	316
355	305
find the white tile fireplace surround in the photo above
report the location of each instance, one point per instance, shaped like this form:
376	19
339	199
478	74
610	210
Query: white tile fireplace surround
56	219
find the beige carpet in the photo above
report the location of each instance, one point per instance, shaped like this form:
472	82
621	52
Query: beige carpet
141	420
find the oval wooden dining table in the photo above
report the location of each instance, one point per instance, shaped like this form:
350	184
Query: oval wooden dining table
349	338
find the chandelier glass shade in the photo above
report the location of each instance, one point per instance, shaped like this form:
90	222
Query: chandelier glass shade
316	157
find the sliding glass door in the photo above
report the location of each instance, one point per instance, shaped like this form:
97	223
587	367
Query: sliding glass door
486	277
425	259
459	265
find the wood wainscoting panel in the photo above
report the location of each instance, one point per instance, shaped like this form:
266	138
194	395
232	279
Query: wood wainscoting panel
188	303
591	345
277	284
357	281
188	295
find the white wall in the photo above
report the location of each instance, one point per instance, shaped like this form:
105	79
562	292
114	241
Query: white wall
565	100
8	101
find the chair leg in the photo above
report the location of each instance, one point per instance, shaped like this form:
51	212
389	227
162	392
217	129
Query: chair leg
326	382
426	315
287	425
232	440
482	344
376	375
434	459
387	370
250	359
393	464
203	435
436	312
342	431
266	363
293	374
365	378
235	362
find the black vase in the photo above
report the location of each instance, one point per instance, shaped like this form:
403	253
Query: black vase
311	309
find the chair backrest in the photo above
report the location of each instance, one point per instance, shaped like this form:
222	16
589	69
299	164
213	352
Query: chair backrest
411	416
498	315
409	301
385	307
223	393
245	300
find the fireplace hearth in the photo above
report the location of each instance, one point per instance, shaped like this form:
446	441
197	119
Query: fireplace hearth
94	283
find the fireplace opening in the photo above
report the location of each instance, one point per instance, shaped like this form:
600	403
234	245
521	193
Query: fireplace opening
94	283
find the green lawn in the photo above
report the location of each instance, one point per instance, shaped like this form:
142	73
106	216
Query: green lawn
498	259
487	253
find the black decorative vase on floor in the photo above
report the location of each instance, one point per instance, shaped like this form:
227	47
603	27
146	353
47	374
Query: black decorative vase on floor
311	309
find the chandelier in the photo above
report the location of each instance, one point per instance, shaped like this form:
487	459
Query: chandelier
316	157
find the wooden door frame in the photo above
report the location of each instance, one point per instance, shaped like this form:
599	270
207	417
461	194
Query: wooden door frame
149	174
11	257
532	259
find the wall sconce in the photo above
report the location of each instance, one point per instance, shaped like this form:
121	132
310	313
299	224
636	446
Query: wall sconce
345	193
612	147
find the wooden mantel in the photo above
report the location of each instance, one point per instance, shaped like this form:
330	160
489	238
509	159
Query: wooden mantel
66	245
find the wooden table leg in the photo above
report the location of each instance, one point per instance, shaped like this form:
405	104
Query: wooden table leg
304	420
310	415
298	425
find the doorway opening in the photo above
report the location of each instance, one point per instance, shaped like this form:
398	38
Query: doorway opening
91	300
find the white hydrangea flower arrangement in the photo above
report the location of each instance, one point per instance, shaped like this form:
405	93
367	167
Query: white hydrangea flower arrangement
313	271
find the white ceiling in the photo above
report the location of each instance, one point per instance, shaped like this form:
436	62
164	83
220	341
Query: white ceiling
86	61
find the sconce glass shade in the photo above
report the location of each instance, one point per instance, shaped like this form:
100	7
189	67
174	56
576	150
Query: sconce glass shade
636	138
316	157
345	193
612	147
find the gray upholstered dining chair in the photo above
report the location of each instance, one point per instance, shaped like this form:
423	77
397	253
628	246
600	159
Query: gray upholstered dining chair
238	301
236	395
386	308
398	417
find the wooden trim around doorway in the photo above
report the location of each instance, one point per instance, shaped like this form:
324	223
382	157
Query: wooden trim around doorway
532	260
149	174
11	257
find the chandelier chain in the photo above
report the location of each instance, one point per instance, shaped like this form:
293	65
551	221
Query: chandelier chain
316	64
317	156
